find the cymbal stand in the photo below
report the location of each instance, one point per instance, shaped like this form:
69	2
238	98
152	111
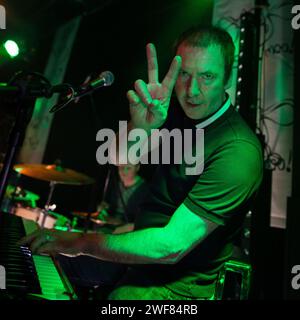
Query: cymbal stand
47	205
107	180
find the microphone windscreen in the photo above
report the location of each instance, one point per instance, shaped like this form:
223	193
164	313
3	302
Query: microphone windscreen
108	77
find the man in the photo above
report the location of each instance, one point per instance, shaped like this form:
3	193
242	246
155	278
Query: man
125	192
188	223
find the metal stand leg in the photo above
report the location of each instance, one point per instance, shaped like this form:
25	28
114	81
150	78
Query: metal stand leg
234	281
47	205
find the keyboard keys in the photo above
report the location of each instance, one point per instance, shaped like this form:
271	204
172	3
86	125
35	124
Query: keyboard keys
26	274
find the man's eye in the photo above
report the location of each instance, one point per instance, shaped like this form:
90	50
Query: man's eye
184	73
208	76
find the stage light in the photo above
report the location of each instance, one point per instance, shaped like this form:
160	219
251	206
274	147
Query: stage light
11	48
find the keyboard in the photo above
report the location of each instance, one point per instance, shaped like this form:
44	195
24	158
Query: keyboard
29	276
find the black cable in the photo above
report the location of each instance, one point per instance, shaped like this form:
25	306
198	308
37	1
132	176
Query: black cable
23	74
269	29
279	123
273	107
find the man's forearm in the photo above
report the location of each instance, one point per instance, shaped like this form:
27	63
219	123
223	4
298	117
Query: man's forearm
138	247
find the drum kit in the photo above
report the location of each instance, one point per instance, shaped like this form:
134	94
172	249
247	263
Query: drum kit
23	202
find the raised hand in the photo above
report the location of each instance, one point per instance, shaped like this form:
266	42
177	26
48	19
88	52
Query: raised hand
149	102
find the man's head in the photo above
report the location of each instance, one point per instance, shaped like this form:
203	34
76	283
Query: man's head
128	172
207	58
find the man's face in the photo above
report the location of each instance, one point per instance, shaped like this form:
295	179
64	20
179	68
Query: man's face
200	86
127	172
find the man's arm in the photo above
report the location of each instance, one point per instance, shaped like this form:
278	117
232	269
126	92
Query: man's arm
165	245
153	245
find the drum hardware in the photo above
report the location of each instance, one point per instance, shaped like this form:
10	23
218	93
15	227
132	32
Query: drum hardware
37	215
74	223
16	196
47	205
54	174
50	221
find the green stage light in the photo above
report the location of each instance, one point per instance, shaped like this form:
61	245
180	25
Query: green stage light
12	48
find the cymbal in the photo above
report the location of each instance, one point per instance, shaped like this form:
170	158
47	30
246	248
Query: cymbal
81	214
53	173
93	216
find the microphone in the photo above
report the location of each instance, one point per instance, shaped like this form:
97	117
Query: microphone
105	79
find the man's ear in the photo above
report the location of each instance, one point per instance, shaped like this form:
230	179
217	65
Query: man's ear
228	84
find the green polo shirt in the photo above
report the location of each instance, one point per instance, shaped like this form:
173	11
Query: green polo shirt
221	193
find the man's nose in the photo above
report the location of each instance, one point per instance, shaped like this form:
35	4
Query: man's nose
193	88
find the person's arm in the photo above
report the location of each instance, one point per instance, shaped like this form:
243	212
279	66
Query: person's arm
165	245
148	105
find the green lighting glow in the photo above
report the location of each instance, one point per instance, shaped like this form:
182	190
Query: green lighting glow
11	48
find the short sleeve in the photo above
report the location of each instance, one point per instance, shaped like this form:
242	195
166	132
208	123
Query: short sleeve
230	178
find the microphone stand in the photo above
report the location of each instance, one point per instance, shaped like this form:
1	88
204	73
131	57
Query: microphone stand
19	93
24	113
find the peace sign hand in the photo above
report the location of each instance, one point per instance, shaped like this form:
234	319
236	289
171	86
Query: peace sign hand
149	103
